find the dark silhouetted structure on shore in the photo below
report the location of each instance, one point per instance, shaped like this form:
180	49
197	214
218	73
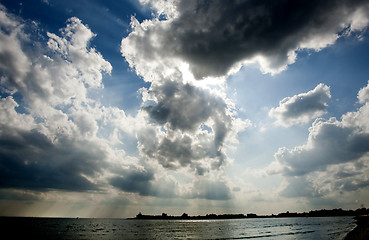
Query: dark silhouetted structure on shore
327	213
315	213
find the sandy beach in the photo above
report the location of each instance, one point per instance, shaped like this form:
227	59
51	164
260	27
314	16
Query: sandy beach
361	231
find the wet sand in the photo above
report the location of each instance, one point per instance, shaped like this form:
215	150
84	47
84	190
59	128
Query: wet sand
361	231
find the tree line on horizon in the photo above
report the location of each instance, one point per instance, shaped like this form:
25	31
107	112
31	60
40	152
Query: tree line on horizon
312	213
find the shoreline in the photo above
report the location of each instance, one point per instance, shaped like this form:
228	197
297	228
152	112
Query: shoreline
361	231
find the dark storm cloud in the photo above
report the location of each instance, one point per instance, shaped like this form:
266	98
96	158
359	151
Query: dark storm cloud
214	35
16	194
346	174
134	181
29	160
355	185
143	182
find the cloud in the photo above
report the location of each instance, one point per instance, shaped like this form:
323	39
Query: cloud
183	106
15	194
29	160
145	182
53	136
134	181
10	118
303	107
188	127
329	142
142	181
213	37
334	159
363	94
14	62
351	177
74	46
299	187
71	65
48	133
211	190
336	182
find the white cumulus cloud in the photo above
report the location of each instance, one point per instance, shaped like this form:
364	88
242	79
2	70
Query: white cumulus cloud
303	107
334	159
52	142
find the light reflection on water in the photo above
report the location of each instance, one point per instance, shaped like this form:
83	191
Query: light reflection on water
258	228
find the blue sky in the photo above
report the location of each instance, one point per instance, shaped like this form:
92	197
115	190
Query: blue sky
110	108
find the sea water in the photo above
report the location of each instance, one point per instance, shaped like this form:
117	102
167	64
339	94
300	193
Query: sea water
255	228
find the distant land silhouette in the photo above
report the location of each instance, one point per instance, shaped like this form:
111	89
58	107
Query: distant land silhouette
313	213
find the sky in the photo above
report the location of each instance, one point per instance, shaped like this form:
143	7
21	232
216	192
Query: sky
110	108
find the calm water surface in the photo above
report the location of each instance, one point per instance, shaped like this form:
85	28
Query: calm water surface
258	228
